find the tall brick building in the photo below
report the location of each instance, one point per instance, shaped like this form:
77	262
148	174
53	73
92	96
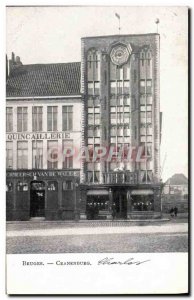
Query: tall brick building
120	89
110	101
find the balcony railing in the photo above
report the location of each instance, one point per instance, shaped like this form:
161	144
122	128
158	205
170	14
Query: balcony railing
125	177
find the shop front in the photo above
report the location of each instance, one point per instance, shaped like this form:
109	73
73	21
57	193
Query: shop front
119	202
49	195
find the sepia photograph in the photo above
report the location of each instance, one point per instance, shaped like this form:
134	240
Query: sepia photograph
97	133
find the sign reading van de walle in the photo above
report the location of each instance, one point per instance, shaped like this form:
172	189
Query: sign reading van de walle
30	174
37	136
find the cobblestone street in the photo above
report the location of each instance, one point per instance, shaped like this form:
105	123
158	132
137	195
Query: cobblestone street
118	236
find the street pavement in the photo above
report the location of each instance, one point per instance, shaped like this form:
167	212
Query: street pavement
97	237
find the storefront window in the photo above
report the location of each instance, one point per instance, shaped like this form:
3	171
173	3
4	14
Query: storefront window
52	186
9	187
22	186
68	185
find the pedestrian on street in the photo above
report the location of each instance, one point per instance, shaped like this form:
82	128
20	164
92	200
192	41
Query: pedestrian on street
172	212
113	213
175	211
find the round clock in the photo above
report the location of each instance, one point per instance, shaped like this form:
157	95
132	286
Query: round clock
119	55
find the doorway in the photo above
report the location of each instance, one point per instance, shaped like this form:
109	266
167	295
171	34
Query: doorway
37	199
119	204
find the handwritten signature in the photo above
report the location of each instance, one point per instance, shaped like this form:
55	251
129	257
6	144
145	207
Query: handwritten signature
129	261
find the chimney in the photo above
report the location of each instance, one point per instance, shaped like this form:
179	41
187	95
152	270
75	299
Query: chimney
13	57
14	62
6	67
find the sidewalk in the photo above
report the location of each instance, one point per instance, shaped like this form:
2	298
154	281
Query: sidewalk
165	228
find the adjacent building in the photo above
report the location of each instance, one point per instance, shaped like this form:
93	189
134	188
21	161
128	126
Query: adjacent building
107	109
43	117
175	193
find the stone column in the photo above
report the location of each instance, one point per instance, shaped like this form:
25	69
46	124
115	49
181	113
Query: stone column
109	216
129	206
82	202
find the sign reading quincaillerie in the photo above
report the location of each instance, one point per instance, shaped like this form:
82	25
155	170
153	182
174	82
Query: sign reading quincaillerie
37	136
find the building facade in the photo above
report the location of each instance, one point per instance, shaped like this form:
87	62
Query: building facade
120	87
175	193
108	110
43	116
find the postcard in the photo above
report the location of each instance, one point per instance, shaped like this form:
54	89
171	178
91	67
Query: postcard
97	196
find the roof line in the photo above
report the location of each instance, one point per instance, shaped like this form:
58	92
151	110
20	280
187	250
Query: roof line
44	97
119	35
46	64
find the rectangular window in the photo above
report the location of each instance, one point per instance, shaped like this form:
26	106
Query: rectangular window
126	87
97	131
9	119
97	101
96	88
142	139
67	112
90	132
90	102
149	138
119	87
22	118
120	131
149	85
9	155
113	131
22	155
112	101
90	88
126	117
90	119
149	99
37	118
119	118
126	100
126	131
113	118
52	118
142	117
52	154
37	154
113	87
67	154
142	86
96	117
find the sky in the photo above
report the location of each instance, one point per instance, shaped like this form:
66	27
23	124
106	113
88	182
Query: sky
53	35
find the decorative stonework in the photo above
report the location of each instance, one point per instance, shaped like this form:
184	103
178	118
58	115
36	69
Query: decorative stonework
120	54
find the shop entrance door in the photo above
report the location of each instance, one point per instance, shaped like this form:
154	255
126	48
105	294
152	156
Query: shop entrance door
119	204
37	199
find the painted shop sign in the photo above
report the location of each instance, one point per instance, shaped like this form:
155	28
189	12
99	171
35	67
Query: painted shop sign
38	136
42	174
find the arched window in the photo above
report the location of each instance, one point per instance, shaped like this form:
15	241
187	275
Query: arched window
93	64
145	55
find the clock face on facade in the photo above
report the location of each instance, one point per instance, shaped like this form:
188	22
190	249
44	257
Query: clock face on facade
119	55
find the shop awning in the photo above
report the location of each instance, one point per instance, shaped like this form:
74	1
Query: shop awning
97	192
142	192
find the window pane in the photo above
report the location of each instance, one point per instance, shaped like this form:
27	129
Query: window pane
9	119
9	155
37	154
22	155
52	152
